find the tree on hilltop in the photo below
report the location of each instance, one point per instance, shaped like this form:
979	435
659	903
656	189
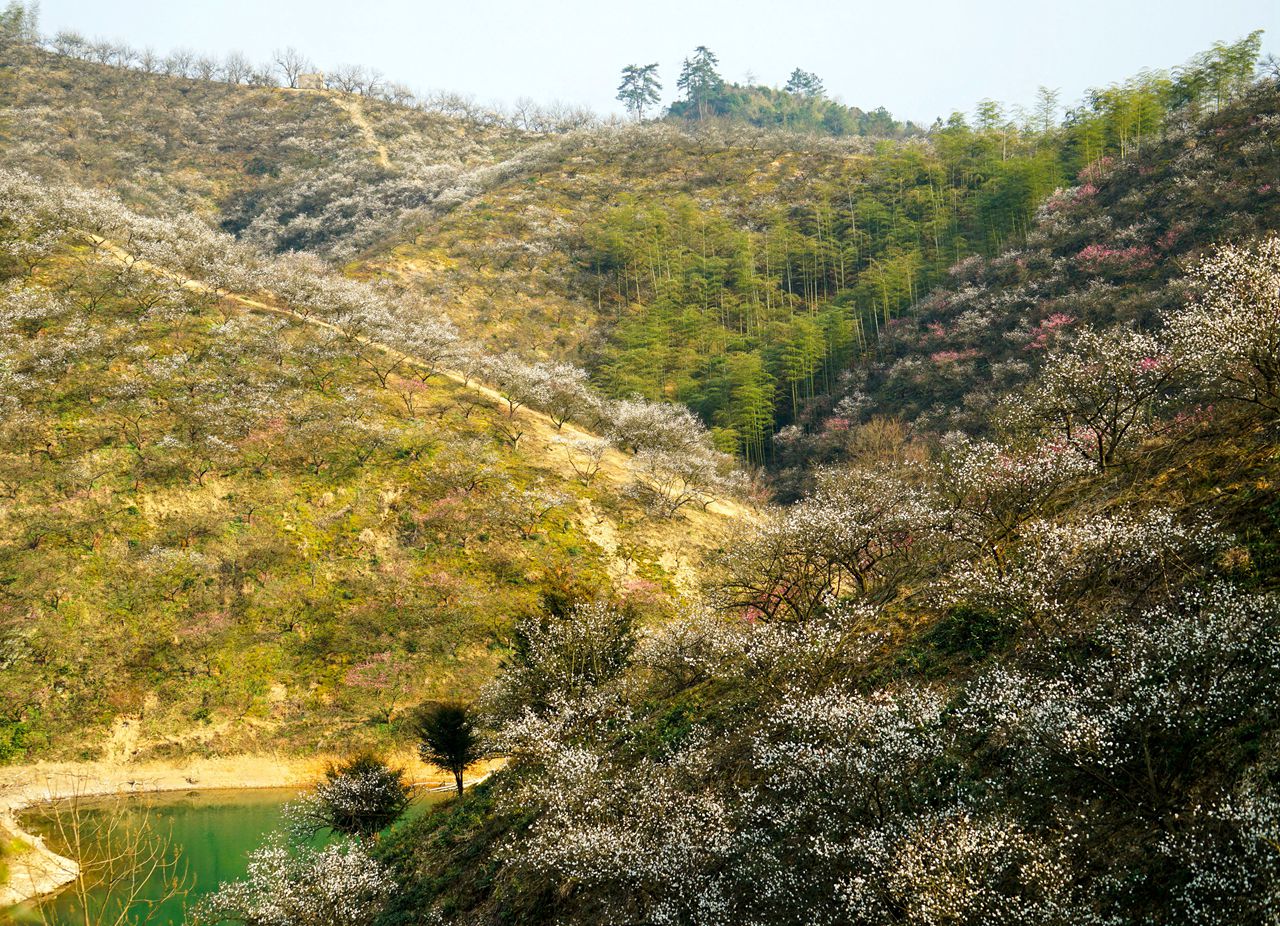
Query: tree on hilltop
639	88
292	64
806	84
700	80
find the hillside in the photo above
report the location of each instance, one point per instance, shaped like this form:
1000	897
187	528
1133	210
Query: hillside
742	272
1114	248
755	276
855	525
237	517
314	167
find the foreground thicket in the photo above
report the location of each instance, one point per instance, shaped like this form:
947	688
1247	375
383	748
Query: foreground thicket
1028	679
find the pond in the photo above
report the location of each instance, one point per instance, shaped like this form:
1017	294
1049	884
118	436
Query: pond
213	832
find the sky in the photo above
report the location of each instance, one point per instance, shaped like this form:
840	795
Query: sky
918	59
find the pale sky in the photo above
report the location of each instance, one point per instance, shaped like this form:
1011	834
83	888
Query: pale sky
919	59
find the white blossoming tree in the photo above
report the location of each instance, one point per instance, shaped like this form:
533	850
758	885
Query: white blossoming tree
337	885
1103	394
1229	335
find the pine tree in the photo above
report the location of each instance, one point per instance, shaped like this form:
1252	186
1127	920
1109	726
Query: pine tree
805	83
699	79
639	89
448	739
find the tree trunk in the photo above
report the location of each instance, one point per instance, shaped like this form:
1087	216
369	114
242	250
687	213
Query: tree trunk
457	778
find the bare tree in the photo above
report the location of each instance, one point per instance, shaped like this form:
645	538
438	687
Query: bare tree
292	64
586	456
237	68
148	61
69	43
206	67
349	78
178	62
129	869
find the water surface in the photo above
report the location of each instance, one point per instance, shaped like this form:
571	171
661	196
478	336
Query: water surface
213	832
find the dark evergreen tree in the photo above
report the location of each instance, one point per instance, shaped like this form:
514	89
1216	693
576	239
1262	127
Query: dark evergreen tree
805	83
448	739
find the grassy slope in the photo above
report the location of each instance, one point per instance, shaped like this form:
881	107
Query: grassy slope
227	599
295	569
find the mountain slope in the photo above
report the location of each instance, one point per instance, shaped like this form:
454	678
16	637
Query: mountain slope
739	271
1032	678
243	524
1114	248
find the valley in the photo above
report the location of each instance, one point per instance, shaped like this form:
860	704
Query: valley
758	510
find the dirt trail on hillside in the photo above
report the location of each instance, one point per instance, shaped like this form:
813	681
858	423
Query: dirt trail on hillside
355	109
615	465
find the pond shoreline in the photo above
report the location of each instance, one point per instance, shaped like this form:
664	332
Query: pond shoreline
39	871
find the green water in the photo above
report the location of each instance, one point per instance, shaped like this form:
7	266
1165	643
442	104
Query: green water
213	831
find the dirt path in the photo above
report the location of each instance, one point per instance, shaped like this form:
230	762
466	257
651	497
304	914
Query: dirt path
351	105
615	465
355	109
38	870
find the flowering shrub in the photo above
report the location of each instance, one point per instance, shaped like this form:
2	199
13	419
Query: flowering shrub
990	490
1228	853
361	797
338	885
1101	395
1043	333
702	645
647	833
945	357
859	531
1117	558
1097	258
1157	693
957	866
563	654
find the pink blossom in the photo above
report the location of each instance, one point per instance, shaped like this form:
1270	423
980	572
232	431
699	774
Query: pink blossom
1098	258
1097	170
952	356
1170	238
1041	334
